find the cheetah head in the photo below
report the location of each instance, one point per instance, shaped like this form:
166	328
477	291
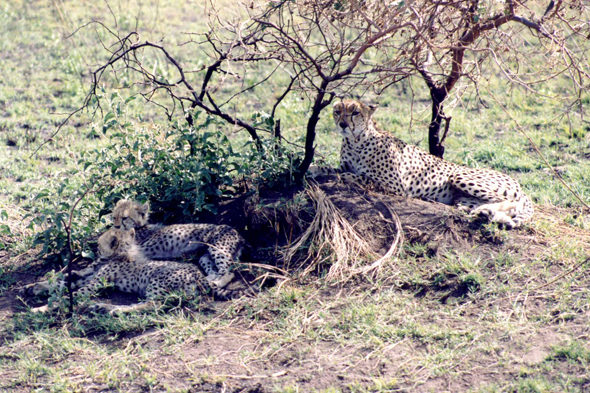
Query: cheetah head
352	117
130	214
115	241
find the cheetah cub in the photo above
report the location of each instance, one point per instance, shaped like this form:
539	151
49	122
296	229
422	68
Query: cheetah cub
371	156
122	264
222	243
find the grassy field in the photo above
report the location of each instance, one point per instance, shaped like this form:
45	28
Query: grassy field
522	326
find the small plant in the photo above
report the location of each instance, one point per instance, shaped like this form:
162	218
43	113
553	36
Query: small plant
573	352
53	207
471	282
273	165
181	169
5	231
6	279
492	232
57	300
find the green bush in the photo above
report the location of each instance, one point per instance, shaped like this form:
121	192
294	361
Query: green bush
180	169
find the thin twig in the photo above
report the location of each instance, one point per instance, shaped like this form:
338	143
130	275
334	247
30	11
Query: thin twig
68	229
567	273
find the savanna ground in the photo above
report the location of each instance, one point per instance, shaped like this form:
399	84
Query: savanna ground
465	306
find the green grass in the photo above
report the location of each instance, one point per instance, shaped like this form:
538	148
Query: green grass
427	323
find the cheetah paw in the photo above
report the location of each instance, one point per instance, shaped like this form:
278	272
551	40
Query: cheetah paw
314	171
101	308
40	310
486	213
499	217
220	281
463	208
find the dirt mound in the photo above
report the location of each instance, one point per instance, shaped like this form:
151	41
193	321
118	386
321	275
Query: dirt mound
274	221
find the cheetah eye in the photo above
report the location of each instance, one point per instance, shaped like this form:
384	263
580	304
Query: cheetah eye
337	113
356	113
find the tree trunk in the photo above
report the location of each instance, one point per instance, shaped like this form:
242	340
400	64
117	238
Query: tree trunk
310	138
277	137
318	105
438	95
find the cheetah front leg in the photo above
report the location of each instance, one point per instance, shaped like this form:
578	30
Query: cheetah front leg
88	286
316	171
345	176
498	212
92	284
362	181
44	287
41	288
105	308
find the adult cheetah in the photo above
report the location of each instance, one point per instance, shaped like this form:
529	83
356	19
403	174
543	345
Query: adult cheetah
369	155
122	263
223	243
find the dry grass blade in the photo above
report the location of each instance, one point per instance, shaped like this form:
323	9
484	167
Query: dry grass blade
393	248
335	240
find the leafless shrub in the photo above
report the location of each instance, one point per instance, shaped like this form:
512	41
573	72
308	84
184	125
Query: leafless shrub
335	48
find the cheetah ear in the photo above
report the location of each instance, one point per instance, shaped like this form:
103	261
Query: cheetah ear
114	243
372	108
132	233
145	208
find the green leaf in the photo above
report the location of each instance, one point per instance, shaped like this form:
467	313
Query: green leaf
42	194
5	230
109	116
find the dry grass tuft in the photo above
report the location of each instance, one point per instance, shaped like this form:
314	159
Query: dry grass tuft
561	229
333	240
